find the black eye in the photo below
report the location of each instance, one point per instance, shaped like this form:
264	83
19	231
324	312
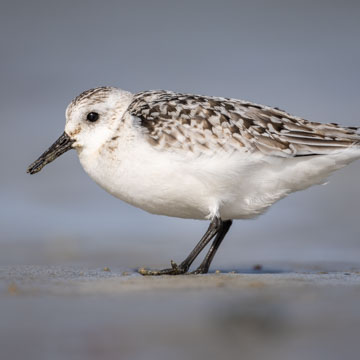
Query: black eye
92	116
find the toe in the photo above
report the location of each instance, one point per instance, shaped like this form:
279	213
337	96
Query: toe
174	270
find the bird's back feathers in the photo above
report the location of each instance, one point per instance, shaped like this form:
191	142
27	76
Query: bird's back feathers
206	124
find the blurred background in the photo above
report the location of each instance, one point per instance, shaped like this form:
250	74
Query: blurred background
302	56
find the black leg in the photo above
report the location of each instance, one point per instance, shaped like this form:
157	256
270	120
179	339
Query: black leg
214	227
204	266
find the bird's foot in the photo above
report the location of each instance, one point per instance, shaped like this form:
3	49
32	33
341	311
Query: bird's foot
174	270
199	270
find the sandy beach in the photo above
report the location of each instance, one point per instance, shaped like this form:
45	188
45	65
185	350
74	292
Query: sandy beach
54	312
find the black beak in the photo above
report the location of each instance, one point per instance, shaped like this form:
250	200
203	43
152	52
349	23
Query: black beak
60	146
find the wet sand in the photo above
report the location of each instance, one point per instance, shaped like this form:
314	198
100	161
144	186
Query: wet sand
66	312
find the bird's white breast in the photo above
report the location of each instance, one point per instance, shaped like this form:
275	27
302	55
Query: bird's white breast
237	185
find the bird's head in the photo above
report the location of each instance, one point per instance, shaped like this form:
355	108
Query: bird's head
91	119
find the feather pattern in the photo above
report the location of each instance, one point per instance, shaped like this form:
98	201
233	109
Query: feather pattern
175	121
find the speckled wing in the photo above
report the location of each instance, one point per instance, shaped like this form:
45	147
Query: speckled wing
175	121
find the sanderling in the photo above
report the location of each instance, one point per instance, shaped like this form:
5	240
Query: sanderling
198	157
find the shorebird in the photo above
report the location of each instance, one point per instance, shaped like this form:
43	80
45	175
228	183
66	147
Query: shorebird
198	157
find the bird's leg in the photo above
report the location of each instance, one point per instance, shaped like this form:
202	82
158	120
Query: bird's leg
213	229
204	266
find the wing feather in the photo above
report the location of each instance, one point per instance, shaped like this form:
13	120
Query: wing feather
207	124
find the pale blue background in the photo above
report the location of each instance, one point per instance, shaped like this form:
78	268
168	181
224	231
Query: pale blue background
302	56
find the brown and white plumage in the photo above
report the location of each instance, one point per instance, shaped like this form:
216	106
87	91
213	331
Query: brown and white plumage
204	124
198	157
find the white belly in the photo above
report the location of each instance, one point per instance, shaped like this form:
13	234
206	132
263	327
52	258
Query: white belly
239	186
